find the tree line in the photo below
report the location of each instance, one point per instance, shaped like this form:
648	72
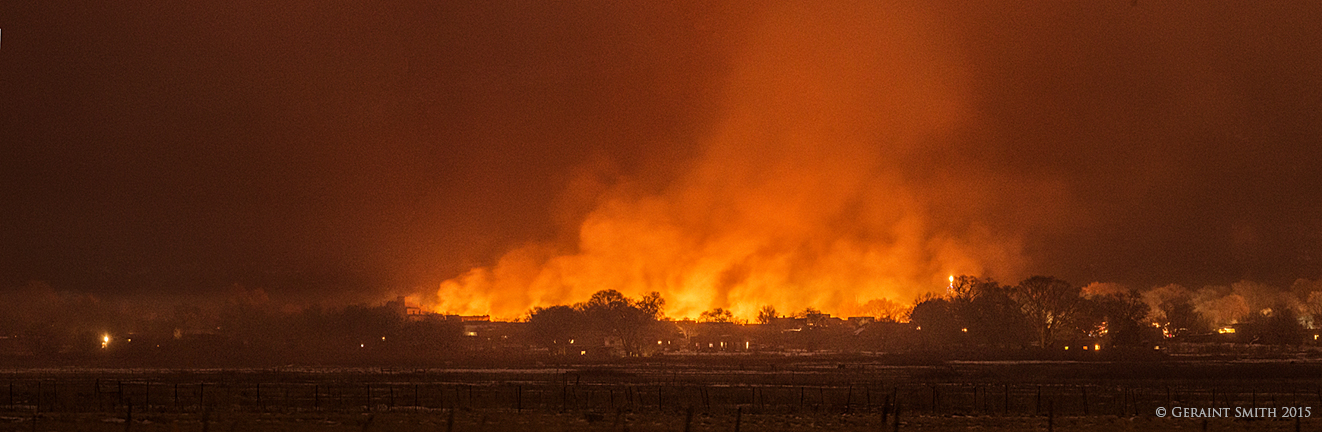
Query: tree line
1041	311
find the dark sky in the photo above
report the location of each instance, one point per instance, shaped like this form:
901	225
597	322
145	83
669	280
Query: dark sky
172	147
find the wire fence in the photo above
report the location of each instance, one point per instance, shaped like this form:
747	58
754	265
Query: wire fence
571	392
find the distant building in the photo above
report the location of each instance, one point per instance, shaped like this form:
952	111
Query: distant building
401	307
488	335
861	321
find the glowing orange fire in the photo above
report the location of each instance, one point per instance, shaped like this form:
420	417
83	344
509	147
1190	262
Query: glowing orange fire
797	200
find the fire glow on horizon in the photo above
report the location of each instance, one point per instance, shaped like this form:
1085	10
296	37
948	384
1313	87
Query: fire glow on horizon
795	201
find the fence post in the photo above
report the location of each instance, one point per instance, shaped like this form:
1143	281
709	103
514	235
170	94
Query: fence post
897	412
1085	399
1037	409
1124	402
1006	410
849	398
1133	399
885	409
1051	415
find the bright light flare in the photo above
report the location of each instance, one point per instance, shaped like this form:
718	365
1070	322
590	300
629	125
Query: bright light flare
105	341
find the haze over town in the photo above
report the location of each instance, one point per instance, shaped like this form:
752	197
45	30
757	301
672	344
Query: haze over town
483	159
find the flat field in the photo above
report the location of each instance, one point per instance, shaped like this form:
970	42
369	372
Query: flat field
693	393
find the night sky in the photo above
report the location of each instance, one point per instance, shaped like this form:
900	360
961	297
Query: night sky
343	146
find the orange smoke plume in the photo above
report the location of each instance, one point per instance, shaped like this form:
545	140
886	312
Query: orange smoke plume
803	196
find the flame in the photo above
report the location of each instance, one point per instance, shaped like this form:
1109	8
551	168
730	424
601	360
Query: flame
800	197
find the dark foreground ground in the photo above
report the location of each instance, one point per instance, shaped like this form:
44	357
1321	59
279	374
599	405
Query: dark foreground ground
675	394
509	421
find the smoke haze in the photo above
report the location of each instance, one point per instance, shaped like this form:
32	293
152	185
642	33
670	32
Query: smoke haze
725	155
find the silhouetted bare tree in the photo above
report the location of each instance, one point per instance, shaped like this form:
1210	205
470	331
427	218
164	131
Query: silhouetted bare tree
1050	305
717	315
1124	316
555	326
629	321
988	314
766	314
937	322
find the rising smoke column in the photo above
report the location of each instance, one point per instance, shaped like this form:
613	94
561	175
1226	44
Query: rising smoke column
809	191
